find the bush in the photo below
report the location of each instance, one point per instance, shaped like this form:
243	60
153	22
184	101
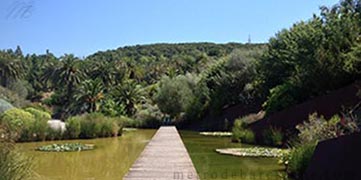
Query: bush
240	133
4	105
53	134
40	107
317	128
94	125
130	123
273	137
281	97
18	121
39	114
73	127
299	158
149	116
89	125
39	130
109	127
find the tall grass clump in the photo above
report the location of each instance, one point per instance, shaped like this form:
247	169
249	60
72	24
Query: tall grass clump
240	133
273	137
13	164
299	159
93	125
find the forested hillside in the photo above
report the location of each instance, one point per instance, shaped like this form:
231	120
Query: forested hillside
129	81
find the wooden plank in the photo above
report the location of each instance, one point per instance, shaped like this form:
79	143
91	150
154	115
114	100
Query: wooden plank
165	157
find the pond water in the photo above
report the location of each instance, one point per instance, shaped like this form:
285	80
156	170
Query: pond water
111	159
211	165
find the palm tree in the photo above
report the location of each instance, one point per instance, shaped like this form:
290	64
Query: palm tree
89	94
128	94
110	73
10	70
67	75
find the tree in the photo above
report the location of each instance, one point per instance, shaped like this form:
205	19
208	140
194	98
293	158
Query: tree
174	95
10	70
67	75
110	73
129	94
89	94
18	52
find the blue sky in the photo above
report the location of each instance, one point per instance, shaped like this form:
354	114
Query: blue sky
83	27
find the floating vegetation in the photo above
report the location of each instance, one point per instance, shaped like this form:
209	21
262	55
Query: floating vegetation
254	152
129	129
67	147
220	134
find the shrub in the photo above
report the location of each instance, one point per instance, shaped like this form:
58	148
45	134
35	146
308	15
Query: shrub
109	127
73	127
89	127
281	97
94	125
273	137
37	131
299	158
240	133
40	107
18	121
38	114
317	128
4	105
149	116
54	134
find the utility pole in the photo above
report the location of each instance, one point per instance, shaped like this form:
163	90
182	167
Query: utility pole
249	39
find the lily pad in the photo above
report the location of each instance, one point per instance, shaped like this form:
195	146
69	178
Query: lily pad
67	147
254	152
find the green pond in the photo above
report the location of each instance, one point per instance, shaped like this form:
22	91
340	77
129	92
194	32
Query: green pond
113	157
211	165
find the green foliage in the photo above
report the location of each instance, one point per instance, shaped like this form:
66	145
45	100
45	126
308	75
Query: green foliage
38	130
12	97
14	165
11	69
73	128
281	97
149	116
273	137
300	61
240	133
299	159
38	114
175	94
94	125
229	80
89	95
4	105
317	129
110	108
67	147
128	94
18	121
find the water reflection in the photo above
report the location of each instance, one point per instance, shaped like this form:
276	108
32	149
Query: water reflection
109	161
211	165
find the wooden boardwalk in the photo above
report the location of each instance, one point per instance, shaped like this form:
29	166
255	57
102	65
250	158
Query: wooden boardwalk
164	158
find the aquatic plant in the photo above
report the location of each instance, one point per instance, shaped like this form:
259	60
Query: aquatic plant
67	147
